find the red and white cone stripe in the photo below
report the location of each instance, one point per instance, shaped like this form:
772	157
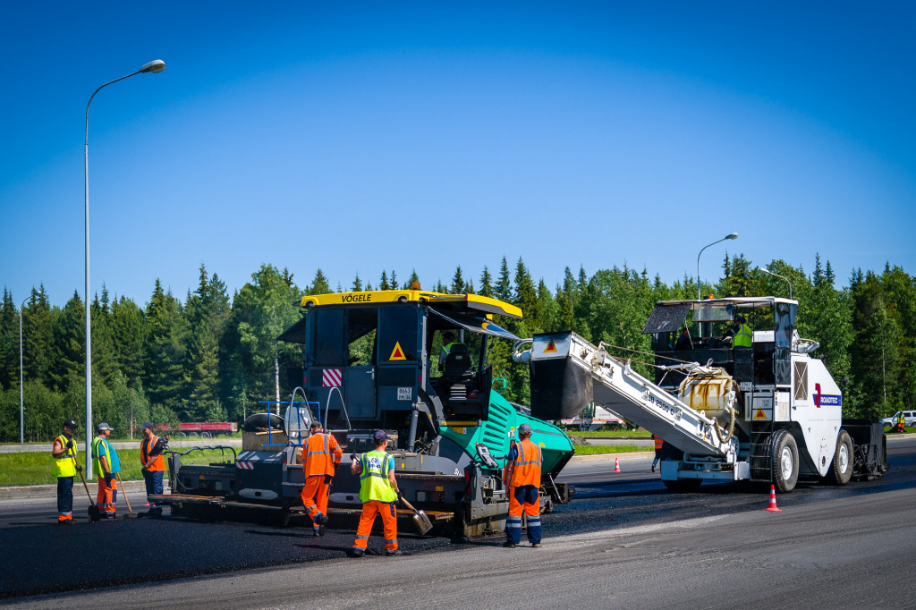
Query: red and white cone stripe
616	465
772	507
244	465
331	378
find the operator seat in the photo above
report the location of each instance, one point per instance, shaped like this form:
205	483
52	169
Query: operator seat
458	372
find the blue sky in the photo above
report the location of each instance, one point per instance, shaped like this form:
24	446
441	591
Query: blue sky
362	136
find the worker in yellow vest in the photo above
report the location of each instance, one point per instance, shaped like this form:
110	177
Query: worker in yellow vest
743	337
378	491
106	465
65	468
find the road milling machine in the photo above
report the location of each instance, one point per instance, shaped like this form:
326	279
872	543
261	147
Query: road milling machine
768	412
371	360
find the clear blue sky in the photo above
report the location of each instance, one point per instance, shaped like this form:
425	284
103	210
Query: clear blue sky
357	137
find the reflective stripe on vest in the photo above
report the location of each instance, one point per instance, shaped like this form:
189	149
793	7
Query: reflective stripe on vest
527	470
158	460
373	480
65	463
744	337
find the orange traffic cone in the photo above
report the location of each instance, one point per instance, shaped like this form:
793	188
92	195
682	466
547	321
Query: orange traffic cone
616	465
772	507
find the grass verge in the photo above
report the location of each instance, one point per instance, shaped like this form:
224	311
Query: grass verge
599	449
612	433
38	468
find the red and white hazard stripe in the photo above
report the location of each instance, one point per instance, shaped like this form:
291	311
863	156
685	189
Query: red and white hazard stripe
332	378
244	465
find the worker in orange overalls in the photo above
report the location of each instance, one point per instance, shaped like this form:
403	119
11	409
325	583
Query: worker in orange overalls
153	462
378	491
320	455
658	451
522	476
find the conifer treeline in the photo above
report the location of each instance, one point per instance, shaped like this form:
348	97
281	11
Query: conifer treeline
210	357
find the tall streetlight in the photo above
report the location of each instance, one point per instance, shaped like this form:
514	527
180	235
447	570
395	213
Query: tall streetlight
21	410
768	272
699	289
154	67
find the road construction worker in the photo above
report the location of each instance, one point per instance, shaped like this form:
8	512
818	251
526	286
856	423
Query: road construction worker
152	460
522	476
105	464
378	491
742	336
684	342
658	451
320	456
901	422
449	341
65	468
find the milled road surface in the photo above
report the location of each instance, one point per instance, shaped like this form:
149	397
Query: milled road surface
623	540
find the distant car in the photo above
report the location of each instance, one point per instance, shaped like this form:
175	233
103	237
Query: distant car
909	419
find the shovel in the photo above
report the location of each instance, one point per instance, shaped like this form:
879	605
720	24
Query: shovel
124	491
95	513
420	519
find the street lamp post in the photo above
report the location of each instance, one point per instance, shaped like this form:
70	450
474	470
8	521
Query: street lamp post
154	67
768	272
21	410
699	288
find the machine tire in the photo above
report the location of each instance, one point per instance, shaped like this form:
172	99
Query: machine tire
683	485
841	467
784	460
204	435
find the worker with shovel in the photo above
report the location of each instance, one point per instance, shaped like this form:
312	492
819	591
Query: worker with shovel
65	468
378	491
320	457
106	466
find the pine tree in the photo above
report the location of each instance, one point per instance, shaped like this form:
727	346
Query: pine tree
9	342
486	283
383	282
394	280
503	289
413	279
165	350
128	333
357	284
69	345
320	284
458	286
525	294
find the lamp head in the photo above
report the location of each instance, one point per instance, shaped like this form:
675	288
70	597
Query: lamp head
156	66
763	270
729	236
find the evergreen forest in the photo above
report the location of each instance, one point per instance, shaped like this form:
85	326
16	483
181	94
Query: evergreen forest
212	356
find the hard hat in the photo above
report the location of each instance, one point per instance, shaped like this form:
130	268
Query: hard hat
102	427
70	424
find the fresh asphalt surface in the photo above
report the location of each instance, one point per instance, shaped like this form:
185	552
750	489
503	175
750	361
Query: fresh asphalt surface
623	540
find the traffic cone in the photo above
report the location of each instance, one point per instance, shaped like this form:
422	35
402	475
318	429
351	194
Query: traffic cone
616	465
772	507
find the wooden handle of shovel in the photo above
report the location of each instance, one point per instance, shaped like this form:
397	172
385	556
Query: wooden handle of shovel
407	504
124	491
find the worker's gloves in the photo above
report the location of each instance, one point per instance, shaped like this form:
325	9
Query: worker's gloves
145	471
69	444
354	457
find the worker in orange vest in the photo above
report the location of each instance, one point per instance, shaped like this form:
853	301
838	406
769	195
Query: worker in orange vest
320	456
153	462
522	476
658	451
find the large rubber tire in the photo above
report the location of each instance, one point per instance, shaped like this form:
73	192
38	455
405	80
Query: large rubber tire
784	460
841	468
682	485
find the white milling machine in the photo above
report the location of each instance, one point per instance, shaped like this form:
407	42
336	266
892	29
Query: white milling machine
768	413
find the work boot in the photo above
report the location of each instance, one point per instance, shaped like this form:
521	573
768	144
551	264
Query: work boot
321	530
354	554
509	544
392	553
653	467
320	519
536	545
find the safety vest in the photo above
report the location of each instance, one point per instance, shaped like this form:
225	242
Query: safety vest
658	442
373	480
158	460
527	469
101	446
743	338
65	463
320	455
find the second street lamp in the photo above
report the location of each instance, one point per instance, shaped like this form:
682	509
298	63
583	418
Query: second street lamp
768	272
153	67
21	375
699	286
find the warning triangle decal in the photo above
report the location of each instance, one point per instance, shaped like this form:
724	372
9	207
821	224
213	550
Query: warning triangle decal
759	414
550	349
397	353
